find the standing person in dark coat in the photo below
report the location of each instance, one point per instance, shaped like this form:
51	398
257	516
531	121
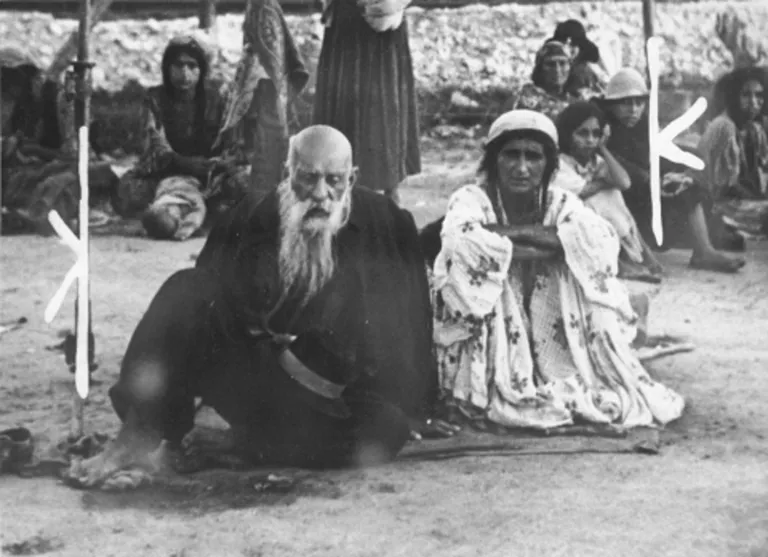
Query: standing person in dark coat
365	88
306	325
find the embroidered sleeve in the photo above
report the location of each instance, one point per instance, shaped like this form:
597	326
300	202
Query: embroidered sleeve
472	267
529	97
567	178
591	249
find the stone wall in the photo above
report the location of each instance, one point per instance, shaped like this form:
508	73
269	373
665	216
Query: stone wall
479	46
484	52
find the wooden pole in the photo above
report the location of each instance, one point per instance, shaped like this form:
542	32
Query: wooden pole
67	51
649	25
1	157
207	13
83	333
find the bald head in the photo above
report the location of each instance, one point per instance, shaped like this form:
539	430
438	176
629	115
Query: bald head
317	144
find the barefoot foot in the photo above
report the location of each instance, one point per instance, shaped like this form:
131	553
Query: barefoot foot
716	261
127	450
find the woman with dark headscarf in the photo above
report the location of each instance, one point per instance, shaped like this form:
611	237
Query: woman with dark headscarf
181	121
546	93
586	76
39	172
685	204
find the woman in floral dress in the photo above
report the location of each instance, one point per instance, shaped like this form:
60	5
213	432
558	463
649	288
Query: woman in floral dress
532	327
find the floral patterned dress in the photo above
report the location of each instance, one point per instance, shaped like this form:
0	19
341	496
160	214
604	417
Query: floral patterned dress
609	203
542	356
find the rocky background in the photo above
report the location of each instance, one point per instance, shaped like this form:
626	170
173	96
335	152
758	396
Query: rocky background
466	60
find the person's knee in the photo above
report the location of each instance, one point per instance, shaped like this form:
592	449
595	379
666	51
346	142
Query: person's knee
383	431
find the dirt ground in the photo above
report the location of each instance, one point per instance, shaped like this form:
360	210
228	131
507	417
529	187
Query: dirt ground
705	494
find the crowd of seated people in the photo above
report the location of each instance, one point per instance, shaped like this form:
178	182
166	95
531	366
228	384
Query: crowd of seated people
532	320
39	164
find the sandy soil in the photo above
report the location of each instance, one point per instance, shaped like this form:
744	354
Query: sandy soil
706	494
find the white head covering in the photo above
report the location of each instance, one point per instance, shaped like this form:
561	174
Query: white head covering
517	120
626	83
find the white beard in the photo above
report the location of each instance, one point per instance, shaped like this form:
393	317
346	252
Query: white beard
306	258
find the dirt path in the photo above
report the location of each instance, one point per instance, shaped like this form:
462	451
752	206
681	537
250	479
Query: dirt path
705	495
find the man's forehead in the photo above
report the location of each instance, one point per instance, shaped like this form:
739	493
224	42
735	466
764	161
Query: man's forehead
324	160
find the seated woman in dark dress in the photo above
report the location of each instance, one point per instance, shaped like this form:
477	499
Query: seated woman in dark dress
181	123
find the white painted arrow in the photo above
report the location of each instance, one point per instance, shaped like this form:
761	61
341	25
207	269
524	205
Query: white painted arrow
79	270
662	142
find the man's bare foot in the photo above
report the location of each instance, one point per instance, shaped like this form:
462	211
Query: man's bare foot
130	448
209	440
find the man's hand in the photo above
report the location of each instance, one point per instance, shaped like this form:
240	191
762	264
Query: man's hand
432	429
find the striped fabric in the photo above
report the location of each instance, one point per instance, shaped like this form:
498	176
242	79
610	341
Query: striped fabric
365	89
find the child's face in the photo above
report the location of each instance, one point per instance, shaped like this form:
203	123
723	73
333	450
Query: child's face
628	111
586	139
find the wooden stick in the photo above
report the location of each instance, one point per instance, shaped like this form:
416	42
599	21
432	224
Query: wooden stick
649	18
82	328
64	56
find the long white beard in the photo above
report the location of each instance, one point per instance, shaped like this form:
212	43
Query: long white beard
306	258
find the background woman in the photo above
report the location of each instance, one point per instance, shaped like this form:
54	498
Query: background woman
546	93
734	145
181	121
588	75
39	172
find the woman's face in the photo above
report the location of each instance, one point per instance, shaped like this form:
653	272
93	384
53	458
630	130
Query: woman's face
628	111
751	99
521	164
586	139
185	73
555	70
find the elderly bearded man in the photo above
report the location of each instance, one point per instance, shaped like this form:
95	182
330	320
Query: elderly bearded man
306	325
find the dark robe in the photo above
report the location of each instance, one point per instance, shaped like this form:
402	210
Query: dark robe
365	89
374	315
